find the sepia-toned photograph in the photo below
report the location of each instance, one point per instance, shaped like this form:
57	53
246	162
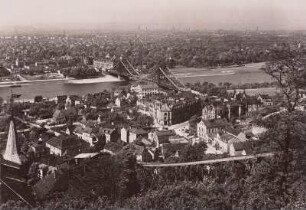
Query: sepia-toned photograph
153	104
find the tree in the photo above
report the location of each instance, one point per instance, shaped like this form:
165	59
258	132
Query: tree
35	133
1	103
279	176
38	99
286	136
143	121
194	152
14	205
288	69
128	184
181	195
33	174
100	144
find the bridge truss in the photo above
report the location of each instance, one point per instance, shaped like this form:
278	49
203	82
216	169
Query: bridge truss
162	76
123	68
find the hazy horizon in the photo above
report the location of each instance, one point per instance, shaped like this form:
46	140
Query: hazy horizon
155	14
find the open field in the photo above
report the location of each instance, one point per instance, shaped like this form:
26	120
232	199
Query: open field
249	73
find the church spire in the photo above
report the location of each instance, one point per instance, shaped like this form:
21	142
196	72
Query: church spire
11	152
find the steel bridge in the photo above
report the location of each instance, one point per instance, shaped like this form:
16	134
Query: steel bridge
162	76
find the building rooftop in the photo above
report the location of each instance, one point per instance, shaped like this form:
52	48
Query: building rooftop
171	149
163	136
165	133
81	129
138	131
86	155
252	100
265	96
107	130
149	86
215	123
226	137
248	146
63	141
178	140
143	141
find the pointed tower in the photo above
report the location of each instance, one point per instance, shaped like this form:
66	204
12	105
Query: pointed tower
11	152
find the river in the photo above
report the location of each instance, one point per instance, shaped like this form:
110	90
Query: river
54	88
249	73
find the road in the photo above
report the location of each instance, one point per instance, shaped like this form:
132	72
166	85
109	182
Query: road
26	122
18	131
203	162
37	126
273	113
21	194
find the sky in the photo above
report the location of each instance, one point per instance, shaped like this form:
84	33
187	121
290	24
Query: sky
194	14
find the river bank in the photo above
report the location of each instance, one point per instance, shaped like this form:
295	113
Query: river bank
106	78
269	90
